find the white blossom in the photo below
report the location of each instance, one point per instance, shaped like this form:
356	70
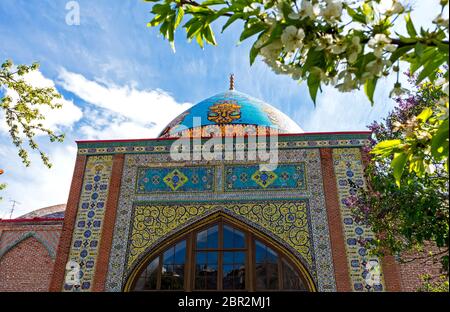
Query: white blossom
390	7
354	49
441	21
396	8
380	43
272	50
292	38
295	72
338	47
445	88
332	11
375	68
397	90
324	42
307	9
348	84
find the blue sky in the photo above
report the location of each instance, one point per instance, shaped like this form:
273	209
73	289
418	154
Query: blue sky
119	79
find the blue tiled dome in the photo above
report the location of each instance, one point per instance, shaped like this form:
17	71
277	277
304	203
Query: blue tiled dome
231	108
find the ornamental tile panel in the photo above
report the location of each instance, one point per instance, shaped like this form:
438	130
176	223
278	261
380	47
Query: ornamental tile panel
89	220
348	169
252	177
287	220
178	179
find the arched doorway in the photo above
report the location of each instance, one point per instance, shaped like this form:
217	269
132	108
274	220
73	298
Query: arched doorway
221	255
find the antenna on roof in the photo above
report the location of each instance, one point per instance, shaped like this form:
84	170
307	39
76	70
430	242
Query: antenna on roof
231	81
14	202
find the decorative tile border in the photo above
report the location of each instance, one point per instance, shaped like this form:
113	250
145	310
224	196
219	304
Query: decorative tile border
251	177
89	220
151	180
157	146
320	243
349	169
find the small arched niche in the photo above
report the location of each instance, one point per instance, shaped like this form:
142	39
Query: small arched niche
221	254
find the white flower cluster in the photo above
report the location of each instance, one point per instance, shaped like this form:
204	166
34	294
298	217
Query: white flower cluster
292	38
332	11
342	49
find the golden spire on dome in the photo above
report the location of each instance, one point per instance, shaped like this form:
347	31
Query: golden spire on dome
231	81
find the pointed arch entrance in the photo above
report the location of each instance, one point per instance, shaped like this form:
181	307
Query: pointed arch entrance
220	253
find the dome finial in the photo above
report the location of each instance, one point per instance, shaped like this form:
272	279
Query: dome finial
231	81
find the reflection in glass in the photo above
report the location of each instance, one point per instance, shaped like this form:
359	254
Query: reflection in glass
291	279
266	267
233	238
206	270
233	270
148	278
208	238
172	274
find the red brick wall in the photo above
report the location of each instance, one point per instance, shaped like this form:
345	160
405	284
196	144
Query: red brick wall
69	223
418	264
26	267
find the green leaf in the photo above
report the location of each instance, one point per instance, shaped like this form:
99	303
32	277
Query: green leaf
198	9
443	47
314	59
385	147
397	165
313	84
431	67
209	35
254	51
199	39
410	26
179	18
194	28
212	2
425	114
355	16
163	29
161	9
368	11
399	52
252	30
406	40
156	21
369	88
230	20
439	142
419	48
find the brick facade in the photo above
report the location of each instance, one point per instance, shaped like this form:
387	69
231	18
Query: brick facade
27	253
27	267
68	226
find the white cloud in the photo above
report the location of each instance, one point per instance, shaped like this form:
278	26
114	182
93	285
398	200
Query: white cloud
111	112
121	111
337	111
36	186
